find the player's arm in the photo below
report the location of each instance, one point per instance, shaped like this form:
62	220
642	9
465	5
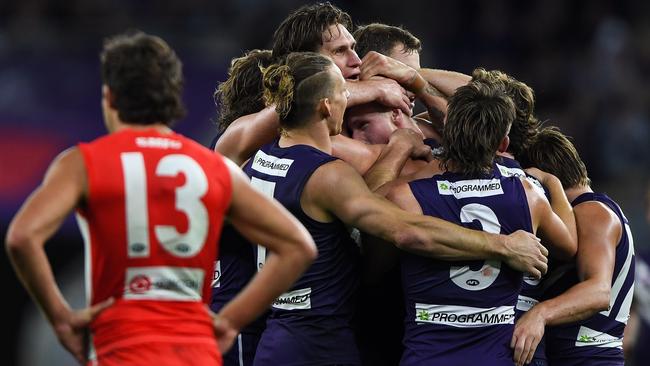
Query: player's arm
375	63
556	235
561	207
385	91
247	134
599	231
339	189
263	220
359	155
39	218
446	82
404	144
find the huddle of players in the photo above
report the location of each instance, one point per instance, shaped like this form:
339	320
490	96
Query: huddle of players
464	302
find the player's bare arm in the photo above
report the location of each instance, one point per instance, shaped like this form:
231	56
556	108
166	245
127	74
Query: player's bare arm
562	208
247	133
558	237
62	189
599	231
354	204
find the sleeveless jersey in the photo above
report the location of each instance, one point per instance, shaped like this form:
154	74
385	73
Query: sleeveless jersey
150	223
309	324
462	313
532	288
599	339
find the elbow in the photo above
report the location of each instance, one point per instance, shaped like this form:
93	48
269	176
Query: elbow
16	241
410	240
310	251
601	297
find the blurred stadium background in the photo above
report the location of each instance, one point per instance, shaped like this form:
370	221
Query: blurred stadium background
588	62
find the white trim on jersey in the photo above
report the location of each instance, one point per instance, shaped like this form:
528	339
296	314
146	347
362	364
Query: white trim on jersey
620	279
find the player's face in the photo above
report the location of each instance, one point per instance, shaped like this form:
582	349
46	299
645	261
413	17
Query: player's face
338	101
373	123
411	59
338	44
370	123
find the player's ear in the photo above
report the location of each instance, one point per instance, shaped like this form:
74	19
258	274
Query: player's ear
396	116
324	107
107	96
503	146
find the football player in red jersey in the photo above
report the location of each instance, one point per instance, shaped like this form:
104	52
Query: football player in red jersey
150	204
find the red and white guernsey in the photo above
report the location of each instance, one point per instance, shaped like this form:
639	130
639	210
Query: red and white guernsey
151	221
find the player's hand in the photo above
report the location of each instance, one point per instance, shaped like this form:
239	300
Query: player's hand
529	331
72	331
375	63
225	332
526	253
542	176
391	94
411	141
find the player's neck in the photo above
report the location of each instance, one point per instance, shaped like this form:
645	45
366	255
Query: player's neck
573	192
313	134
159	127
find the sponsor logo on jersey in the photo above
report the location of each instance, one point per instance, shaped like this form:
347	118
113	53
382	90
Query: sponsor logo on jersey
463	316
158	143
590	337
293	300
516	172
164	283
470	188
271	165
140	284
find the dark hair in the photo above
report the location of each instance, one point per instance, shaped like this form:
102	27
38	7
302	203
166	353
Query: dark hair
242	92
302	30
525	126
382	38
478	118
296	86
145	78
553	152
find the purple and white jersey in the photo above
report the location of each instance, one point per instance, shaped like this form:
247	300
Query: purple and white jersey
599	339
462	313
309	324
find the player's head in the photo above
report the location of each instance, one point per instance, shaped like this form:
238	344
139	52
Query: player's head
525	125
553	152
392	41
306	87
478	119
321	28
373	123
142	78
241	93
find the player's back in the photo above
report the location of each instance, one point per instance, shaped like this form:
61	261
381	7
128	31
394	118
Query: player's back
153	214
309	324
597	340
461	313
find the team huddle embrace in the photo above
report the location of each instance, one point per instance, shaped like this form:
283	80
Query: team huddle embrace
360	232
